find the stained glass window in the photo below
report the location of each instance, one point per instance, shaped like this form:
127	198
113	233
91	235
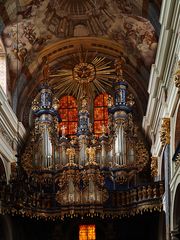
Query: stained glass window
100	113
87	232
69	115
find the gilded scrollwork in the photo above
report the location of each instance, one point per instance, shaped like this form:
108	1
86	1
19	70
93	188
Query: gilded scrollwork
165	131
77	187
154	166
142	155
177	77
68	183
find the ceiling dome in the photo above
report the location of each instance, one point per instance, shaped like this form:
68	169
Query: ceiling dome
74	7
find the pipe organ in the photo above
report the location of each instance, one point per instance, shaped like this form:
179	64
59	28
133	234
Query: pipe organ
83	173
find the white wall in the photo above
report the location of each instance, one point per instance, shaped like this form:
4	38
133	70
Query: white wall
11	132
164	99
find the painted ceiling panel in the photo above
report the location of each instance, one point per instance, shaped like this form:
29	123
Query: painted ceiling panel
34	29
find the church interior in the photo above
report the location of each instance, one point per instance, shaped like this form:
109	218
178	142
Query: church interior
89	119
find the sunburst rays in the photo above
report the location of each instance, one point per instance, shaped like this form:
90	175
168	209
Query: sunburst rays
88	76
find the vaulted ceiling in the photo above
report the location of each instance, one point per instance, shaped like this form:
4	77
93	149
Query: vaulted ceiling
63	31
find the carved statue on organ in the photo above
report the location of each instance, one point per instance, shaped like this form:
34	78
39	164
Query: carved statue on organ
91	152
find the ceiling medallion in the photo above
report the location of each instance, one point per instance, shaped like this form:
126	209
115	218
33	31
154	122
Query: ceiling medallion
84	72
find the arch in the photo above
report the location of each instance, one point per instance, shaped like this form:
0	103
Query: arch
3	74
69	115
63	50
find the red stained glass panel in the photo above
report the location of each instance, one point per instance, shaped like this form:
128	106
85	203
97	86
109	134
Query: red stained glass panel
106	96
99	100
73	114
69	115
64	114
100	113
64	102
72	127
98	127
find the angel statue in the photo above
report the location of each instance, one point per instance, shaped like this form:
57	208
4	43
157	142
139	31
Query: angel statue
91	152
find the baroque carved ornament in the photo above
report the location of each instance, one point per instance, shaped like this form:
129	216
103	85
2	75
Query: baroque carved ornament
165	131
154	166
177	77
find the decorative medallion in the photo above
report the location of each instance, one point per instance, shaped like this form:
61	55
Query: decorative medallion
84	72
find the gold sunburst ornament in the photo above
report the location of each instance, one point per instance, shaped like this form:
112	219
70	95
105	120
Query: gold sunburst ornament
84	78
84	72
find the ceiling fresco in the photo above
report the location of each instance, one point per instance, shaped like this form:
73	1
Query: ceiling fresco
43	22
33	29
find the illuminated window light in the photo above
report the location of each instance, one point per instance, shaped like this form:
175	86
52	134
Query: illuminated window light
100	113
87	232
69	115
